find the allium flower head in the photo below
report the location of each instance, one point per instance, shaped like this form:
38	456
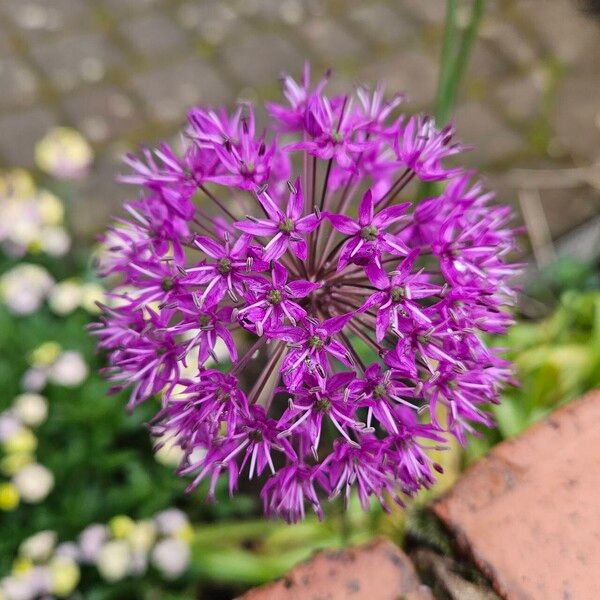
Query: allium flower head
336	321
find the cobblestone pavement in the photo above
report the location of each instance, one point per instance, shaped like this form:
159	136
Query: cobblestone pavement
124	71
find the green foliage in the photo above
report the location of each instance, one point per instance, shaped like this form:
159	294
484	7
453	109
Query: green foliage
556	360
101	457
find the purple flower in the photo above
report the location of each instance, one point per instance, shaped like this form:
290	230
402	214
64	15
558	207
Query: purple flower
398	296
231	270
311	347
298	95
421	147
287	492
363	468
322	399
270	304
320	336
367	237
286	229
331	128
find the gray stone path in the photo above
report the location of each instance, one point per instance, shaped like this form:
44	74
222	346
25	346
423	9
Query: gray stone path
124	71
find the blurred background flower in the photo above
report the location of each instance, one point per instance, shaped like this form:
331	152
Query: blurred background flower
64	153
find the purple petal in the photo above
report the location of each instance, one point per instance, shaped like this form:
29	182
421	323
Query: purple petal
301	288
279	275
276	247
256	227
210	247
299	248
365	209
345	252
394	244
336	324
377	276
296	202
391	214
343	223
340	379
377	299
240	248
406	266
339	351
307	224
383	323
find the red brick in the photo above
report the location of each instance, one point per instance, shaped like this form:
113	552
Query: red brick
529	513
377	571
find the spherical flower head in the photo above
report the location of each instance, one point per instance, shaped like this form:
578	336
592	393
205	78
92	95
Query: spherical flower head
335	320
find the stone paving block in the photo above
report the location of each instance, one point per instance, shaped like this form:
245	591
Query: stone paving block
102	112
275	11
39	16
568	32
260	59
383	24
477	126
81	57
487	64
212	20
6	46
19	131
99	197
330	40
509	41
125	7
412	73
520	97
577	115
17	81
528	513
153	35
169	91
377	571
429	11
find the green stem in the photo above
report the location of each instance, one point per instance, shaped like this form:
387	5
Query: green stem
454	60
464	51
448	50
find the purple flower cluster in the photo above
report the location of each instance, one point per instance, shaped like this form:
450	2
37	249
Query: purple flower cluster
337	326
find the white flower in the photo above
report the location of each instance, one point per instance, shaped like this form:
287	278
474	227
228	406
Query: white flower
39	547
91	540
34	482
114	560
69	369
10	426
34	379
64	575
139	563
171	521
54	240
68	550
50	207
32	409
39	578
92	293
65	297
64	153
171	557
142	536
168	453
17	588
24	287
